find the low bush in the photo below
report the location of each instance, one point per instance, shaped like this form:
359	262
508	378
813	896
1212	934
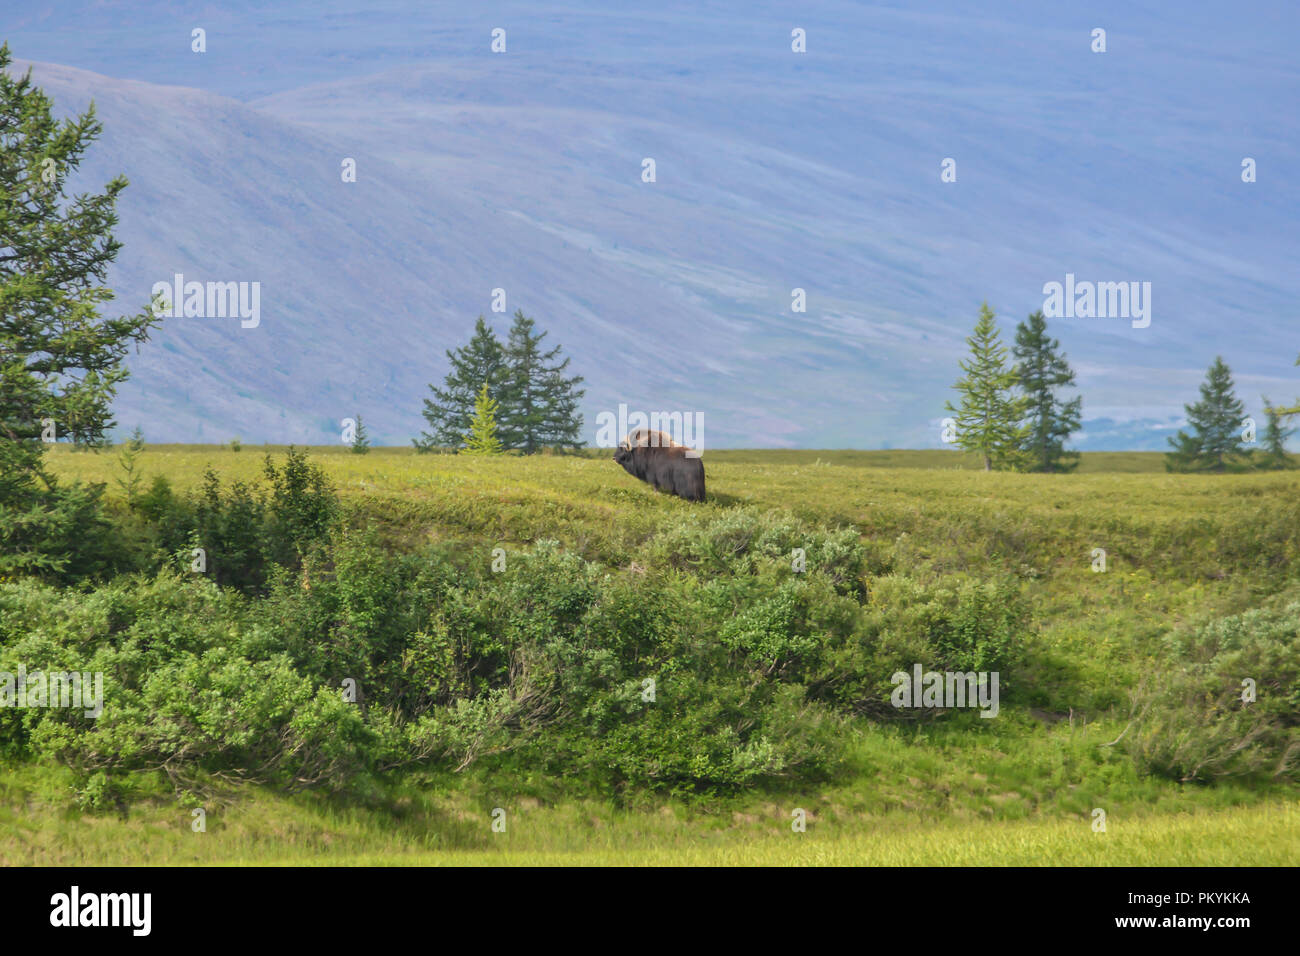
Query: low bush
1224	701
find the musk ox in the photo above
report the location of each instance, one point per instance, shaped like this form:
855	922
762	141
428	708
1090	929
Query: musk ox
667	468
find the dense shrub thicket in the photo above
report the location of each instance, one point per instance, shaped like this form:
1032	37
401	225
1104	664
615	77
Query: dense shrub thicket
732	647
723	661
243	531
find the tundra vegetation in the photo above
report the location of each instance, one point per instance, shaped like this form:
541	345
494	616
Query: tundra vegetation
631	676
373	657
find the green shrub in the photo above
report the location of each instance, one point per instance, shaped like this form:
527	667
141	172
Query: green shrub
301	509
740	539
245	531
61	534
1191	722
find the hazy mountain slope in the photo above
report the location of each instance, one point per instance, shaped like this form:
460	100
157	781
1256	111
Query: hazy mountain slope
362	284
775	171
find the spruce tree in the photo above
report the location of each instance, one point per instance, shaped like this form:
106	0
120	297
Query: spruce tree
360	440
538	401
128	458
482	436
451	409
1042	369
561	425
1275	438
1215	441
989	419
60	360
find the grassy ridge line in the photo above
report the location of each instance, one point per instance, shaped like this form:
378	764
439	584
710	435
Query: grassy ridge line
1186	526
1115	462
734	478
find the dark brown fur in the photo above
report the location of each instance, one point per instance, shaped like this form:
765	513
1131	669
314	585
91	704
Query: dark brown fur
668	469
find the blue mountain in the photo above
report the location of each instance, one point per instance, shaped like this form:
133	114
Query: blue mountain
774	171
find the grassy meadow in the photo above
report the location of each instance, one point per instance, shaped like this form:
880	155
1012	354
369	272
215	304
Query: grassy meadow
1119	686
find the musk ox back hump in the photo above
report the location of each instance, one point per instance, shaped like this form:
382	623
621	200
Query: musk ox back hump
667	469
649	438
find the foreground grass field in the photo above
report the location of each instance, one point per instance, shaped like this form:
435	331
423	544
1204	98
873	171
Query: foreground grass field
1180	551
259	829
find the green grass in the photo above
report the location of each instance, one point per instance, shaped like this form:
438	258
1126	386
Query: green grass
1180	549
1147	518
453	826
1126	462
